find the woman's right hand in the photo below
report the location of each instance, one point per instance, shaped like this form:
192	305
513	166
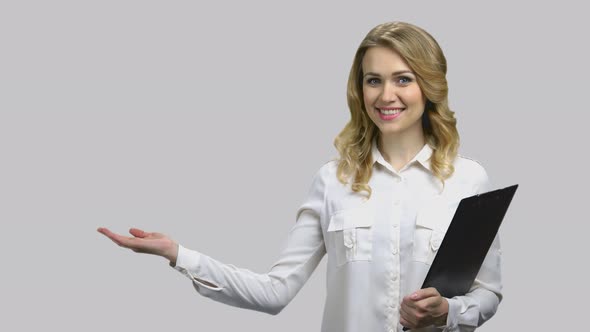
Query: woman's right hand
144	242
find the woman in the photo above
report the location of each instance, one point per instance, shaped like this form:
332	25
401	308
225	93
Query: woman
380	211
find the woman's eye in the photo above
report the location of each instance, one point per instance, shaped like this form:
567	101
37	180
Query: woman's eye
404	80
372	81
400	80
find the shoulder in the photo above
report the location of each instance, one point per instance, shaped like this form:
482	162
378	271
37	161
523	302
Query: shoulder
326	169
327	172
322	179
469	164
472	170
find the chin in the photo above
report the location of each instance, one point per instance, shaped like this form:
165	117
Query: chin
390	130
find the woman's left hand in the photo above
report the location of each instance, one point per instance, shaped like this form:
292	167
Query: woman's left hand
423	308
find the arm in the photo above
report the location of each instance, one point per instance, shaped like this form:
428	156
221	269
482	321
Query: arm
481	302
426	307
267	292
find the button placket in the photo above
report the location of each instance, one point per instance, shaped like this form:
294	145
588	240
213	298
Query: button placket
395	230
394	257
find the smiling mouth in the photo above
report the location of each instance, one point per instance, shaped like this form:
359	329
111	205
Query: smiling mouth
390	111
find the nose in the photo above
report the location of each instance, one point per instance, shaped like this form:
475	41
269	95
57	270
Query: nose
388	92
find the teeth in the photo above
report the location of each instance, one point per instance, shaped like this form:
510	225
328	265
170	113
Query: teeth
389	112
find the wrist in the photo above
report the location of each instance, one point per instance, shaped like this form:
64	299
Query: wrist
172	253
442	319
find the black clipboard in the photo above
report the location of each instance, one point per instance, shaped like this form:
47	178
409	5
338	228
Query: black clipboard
467	241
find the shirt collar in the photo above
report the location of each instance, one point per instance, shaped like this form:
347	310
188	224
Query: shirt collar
422	157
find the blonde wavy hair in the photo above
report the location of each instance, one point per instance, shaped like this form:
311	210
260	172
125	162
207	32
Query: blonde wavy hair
426	59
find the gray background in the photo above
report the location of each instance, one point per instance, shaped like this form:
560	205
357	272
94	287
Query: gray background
208	121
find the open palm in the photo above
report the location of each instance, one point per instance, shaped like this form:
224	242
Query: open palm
144	242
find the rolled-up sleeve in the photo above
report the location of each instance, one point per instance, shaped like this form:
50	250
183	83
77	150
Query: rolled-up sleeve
470	311
266	292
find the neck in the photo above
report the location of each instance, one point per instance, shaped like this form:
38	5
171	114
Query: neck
398	150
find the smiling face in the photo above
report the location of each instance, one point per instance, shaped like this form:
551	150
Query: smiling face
392	97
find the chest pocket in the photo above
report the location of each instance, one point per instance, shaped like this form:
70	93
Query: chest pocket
432	222
350	235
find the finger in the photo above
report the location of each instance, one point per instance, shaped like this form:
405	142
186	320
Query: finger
404	322
408	312
106	232
427	304
411	299
407	315
408	302
423	293
431	291
123	241
102	229
138	232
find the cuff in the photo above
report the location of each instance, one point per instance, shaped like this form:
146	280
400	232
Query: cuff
188	263
186	260
452	316
458	317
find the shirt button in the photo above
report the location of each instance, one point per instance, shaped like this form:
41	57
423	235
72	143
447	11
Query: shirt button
394	251
398	180
396	202
394	225
394	278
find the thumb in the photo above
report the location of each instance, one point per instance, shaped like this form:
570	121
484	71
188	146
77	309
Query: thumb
138	232
418	295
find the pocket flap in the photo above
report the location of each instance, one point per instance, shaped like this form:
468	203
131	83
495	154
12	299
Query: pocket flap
351	218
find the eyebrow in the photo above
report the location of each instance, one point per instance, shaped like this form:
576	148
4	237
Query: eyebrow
393	74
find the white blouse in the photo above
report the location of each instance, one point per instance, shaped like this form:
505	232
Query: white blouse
379	250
